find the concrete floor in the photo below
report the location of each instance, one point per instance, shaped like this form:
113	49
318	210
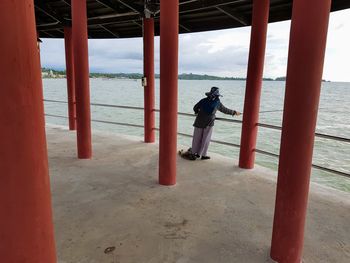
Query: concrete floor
216	213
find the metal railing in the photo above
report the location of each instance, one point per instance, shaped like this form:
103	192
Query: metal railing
263	125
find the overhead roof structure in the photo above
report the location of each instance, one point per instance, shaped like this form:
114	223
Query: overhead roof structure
123	18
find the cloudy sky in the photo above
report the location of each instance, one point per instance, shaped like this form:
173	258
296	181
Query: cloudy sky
221	53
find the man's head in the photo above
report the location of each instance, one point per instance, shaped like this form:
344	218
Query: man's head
214	92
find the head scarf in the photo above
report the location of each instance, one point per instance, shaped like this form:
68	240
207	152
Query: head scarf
212	102
213	93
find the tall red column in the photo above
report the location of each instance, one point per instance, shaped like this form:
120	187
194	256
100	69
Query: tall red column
254	82
81	70
305	65
26	228
70	77
169	34
148	67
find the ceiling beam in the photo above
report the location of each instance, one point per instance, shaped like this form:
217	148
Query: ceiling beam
185	28
106	4
50	35
131	6
43	10
119	22
192	6
41	6
138	23
111	5
94	22
114	18
47	26
66	2
187	2
233	14
60	30
115	6
109	31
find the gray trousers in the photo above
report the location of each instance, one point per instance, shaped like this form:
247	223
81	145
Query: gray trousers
201	140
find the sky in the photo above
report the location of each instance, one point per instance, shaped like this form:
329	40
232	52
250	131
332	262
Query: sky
219	53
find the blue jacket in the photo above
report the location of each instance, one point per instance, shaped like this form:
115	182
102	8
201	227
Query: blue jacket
206	109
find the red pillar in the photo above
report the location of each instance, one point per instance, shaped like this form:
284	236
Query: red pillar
26	228
81	70
169	33
304	75
148	60
254	81
70	77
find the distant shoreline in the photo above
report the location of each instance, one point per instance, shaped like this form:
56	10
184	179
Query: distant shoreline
57	74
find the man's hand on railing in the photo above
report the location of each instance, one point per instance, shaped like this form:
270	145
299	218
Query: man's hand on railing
237	113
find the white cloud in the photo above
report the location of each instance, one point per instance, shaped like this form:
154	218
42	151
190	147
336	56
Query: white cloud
223	53
52	53
337	59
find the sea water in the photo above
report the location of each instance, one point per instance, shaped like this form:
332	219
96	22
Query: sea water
333	117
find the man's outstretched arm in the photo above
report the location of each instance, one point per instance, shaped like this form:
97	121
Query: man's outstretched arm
228	111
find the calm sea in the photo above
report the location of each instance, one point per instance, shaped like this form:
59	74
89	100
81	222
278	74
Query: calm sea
333	118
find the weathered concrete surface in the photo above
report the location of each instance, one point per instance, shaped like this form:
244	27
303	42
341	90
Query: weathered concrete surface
216	213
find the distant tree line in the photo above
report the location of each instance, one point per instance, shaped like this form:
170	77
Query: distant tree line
184	76
192	76
54	71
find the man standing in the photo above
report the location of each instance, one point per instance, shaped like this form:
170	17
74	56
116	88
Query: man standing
205	110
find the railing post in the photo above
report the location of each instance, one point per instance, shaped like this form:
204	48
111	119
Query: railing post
148	60
70	77
81	70
26	227
169	30
305	66
254	81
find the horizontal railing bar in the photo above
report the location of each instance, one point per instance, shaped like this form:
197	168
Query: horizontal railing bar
264	125
56	116
321	135
226	143
185	114
313	165
332	137
214	141
266	153
101	121
58	101
269	126
193	115
117	106
228	120
119	123
183	134
331	170
103	105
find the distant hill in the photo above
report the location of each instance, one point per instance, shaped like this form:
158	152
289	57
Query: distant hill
192	76
284	79
52	73
280	79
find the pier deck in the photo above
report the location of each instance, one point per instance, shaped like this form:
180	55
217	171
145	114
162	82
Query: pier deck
216	213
